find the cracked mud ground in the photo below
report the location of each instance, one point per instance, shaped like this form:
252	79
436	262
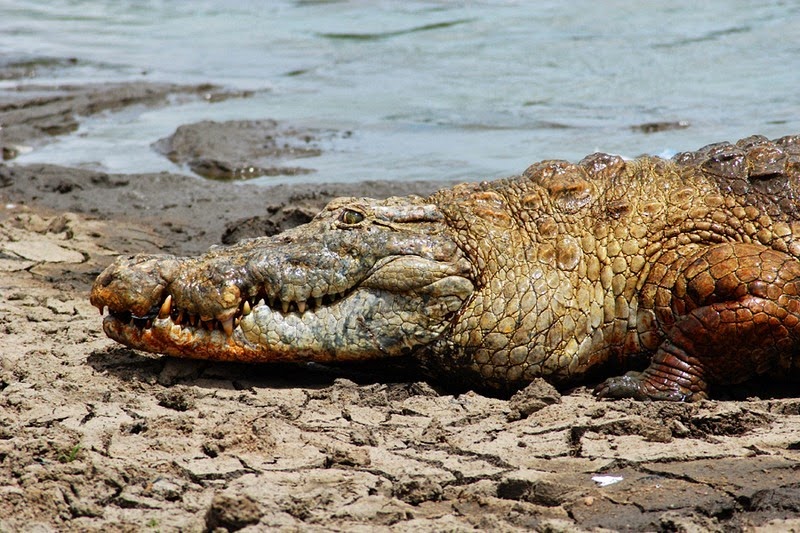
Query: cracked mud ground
97	437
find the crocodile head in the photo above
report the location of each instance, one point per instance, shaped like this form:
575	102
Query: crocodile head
364	279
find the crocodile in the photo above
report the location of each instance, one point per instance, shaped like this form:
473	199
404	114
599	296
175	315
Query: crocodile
679	275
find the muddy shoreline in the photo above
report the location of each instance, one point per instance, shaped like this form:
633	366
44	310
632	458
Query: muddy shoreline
97	437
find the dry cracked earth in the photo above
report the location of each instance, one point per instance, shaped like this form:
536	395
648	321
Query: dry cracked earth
98	437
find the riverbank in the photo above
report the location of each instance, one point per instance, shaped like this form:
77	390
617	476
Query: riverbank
98	437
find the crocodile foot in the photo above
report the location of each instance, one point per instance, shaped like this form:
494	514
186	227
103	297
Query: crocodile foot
638	386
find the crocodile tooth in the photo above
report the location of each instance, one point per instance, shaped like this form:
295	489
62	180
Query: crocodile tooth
246	308
193	319
318	302
179	317
227	326
261	302
166	307
285	306
301	306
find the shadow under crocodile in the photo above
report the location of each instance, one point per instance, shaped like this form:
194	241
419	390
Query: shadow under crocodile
131	365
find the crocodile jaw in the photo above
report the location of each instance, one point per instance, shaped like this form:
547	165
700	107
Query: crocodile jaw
366	324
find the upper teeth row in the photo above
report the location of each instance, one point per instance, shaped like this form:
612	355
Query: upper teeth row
287	306
179	316
229	322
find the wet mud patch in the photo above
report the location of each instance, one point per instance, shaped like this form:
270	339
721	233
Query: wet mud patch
32	115
160	211
243	149
774	500
266	226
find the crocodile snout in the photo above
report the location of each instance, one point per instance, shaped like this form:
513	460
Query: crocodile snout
134	284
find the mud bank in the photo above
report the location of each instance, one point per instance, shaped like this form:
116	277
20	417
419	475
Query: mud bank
242	149
98	437
31	115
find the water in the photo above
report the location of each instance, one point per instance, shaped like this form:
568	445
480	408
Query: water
430	90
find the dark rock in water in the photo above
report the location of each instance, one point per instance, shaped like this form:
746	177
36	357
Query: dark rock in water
18	68
655	127
241	149
224	170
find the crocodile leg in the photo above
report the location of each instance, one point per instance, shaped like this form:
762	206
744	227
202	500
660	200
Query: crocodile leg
732	312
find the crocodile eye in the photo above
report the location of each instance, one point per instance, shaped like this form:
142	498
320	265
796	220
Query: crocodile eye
351	217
